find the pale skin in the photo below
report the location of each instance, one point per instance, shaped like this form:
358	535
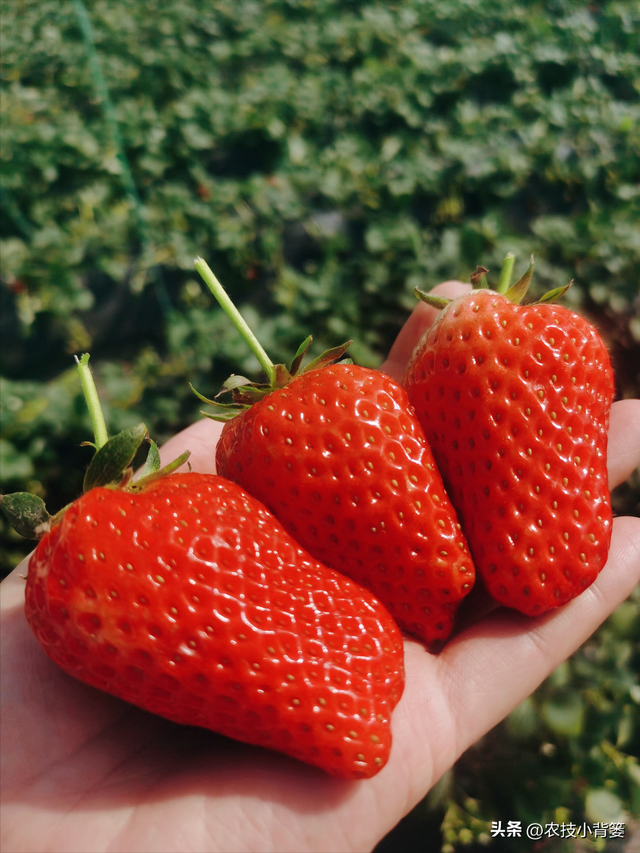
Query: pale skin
82	771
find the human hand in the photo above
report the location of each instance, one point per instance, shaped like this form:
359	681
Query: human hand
83	771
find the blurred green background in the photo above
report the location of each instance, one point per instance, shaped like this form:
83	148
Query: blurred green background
324	156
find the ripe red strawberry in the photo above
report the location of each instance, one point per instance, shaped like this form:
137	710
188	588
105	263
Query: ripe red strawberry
188	599
515	403
183	595
337	454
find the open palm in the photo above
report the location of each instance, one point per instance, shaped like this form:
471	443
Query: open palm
83	771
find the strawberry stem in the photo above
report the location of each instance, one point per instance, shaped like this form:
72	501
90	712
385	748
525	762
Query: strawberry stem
505	273
236	318
92	400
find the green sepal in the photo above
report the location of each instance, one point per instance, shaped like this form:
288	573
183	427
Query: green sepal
282	378
125	479
302	351
26	513
251	394
328	357
152	462
505	273
438	302
243	390
204	399
243	394
112	460
478	279
224	413
159	472
555	294
517	291
235	381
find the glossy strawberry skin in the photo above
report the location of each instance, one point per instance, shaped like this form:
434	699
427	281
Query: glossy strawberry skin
515	403
189	600
340	458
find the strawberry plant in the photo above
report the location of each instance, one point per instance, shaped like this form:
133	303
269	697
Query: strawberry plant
181	594
515	400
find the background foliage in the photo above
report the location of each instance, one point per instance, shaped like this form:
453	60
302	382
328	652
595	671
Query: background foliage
325	156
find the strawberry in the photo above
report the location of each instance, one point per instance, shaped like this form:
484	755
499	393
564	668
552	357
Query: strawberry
515	403
183	595
336	453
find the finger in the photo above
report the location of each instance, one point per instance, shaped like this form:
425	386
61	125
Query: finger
420	319
12	587
490	668
623	454
200	439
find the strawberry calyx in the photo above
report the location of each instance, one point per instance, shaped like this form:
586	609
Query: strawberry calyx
513	292
109	468
244	392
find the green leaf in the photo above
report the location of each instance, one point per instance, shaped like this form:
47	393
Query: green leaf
625	620
564	714
626	727
26	513
13	464
603	806
522	722
113	458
